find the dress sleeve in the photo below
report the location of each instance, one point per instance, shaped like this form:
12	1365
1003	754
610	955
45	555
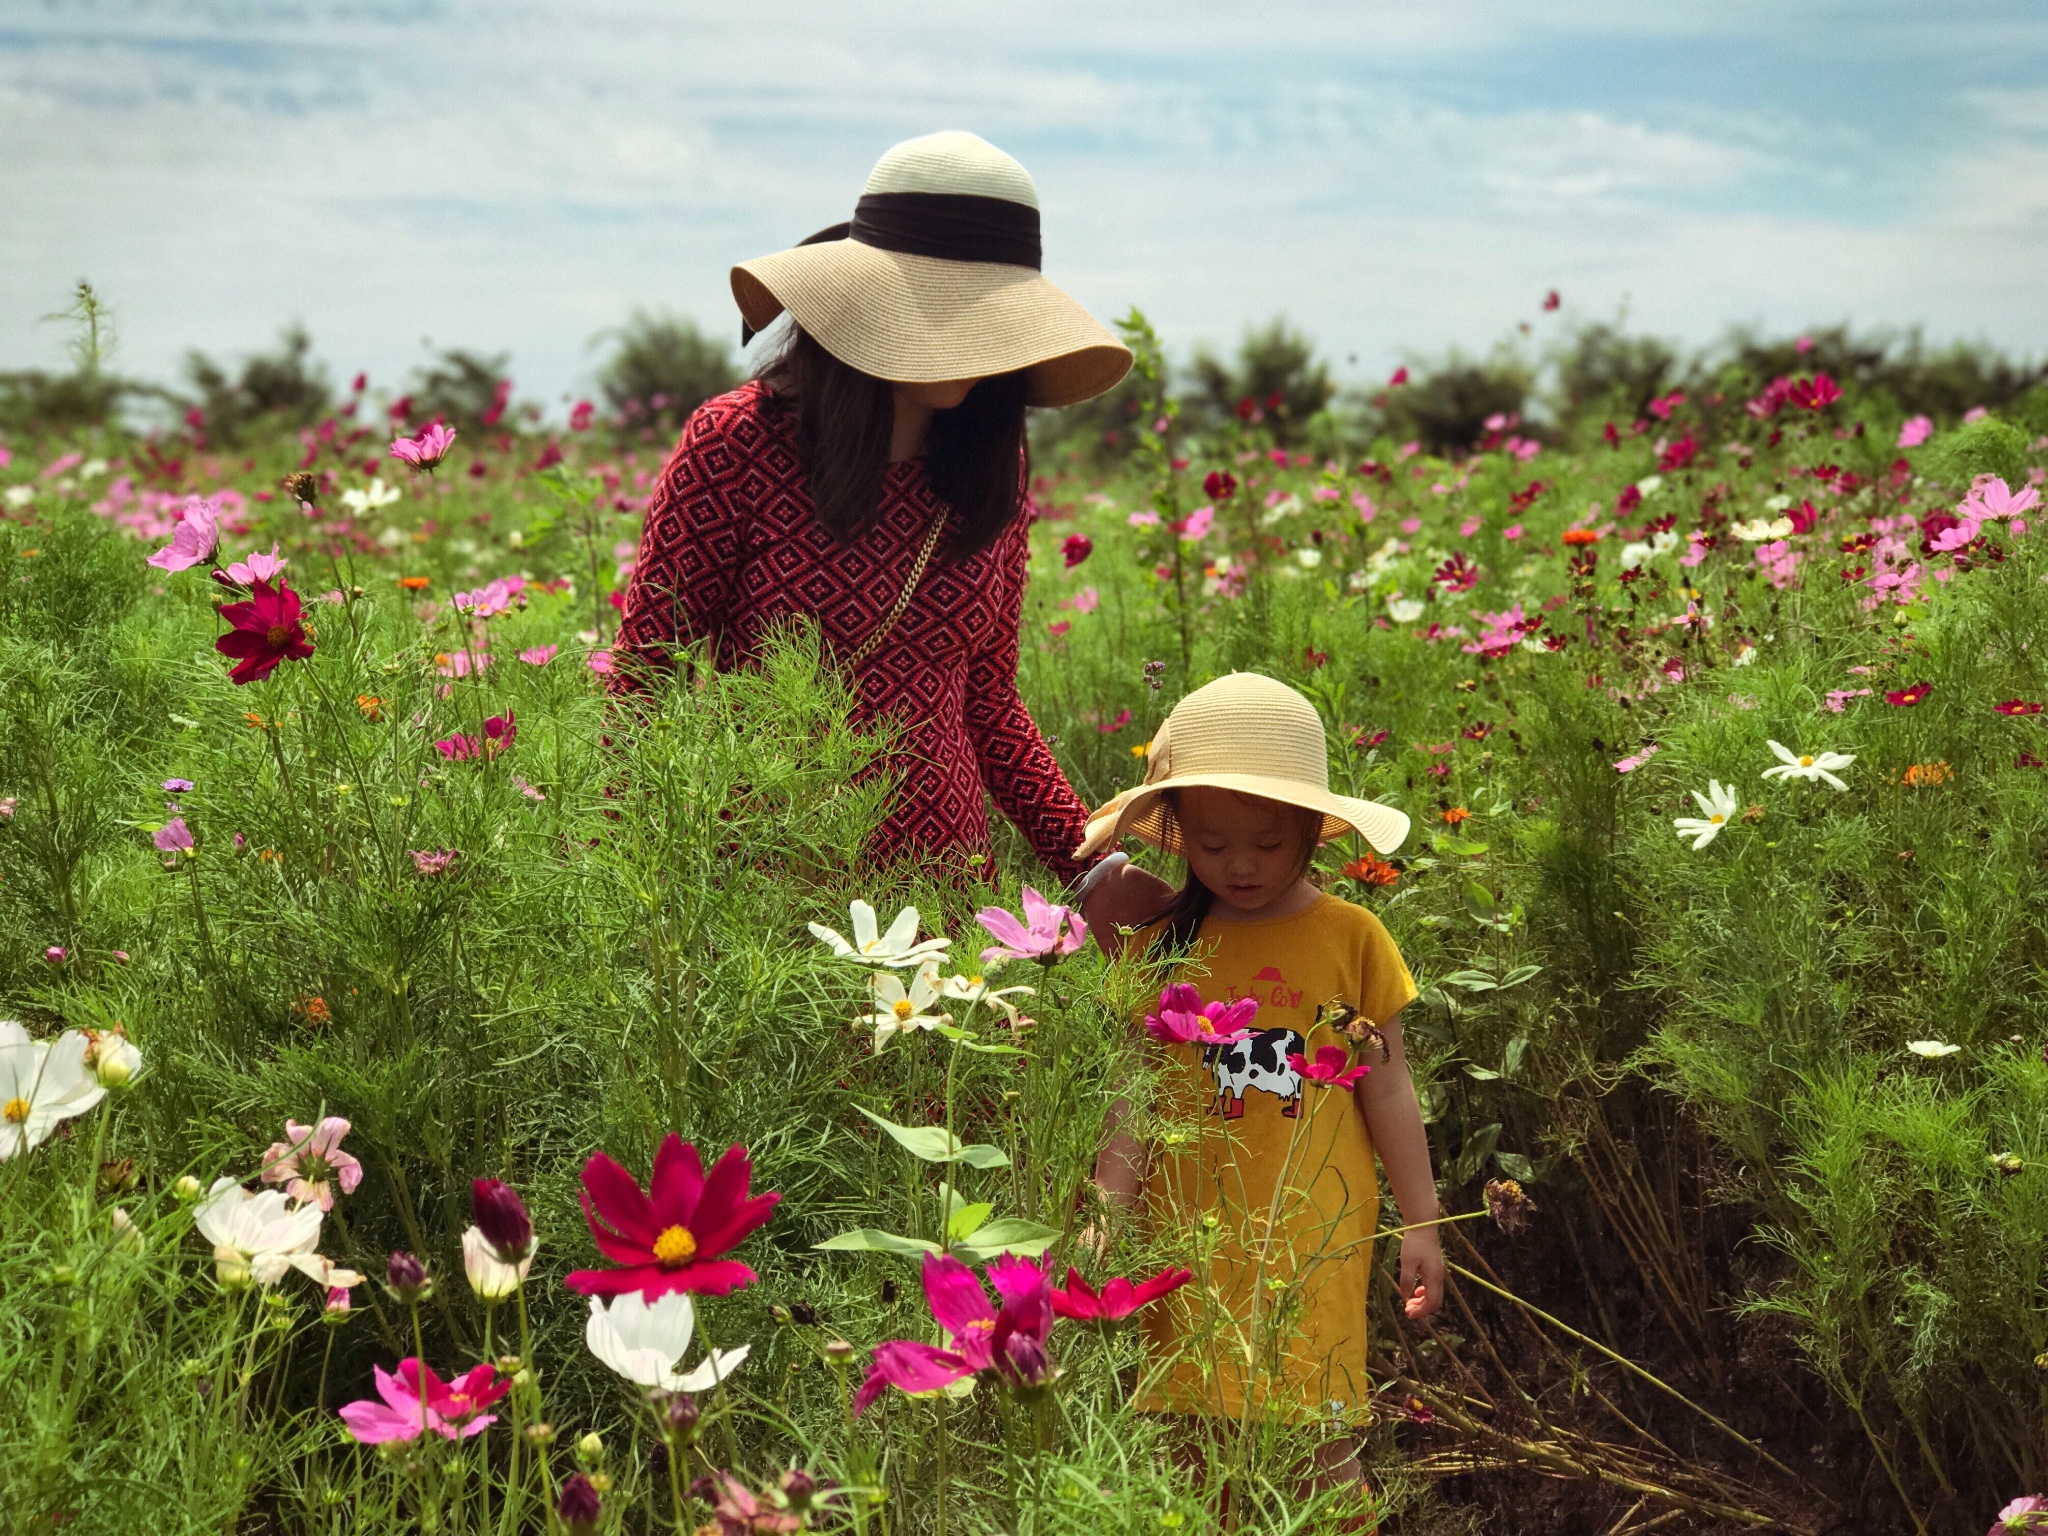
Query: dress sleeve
1016	765
690	548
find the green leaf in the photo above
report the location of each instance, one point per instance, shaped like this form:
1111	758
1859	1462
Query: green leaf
966	1220
1511	1060
1460	847
1520	974
872	1240
1481	1074
1480	903
1516	1166
1478	1148
1471	981
935	1144
1009	1234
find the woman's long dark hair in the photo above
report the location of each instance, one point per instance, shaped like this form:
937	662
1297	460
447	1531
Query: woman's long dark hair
1182	916
974	453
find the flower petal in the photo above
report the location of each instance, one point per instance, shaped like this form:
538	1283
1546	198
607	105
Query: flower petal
619	1199
676	1188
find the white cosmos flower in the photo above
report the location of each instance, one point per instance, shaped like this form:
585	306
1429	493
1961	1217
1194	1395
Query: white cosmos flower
898	1007
1811	766
268	1231
1633	555
372	496
1404	610
1757	530
1309	558
975	989
899	946
1932	1049
42	1084
1717	805
645	1342
489	1276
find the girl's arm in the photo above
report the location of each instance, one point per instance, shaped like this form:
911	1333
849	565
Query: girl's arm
1386	1097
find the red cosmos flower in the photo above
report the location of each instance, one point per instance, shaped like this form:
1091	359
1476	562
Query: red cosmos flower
580	414
1906	698
266	631
1371	740
1803	517
1629	499
1117	1299
2017	707
669	1237
1400	377
1814	394
1551	300
1248	409
1078	547
1680	453
1456	574
1611	435
1219	485
1328	1068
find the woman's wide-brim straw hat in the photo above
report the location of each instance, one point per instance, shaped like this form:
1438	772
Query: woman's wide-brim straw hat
1247	733
937	278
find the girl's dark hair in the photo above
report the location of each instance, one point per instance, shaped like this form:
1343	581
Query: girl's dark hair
1183	915
974	453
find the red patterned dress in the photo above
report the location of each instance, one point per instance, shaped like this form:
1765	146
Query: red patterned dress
731	547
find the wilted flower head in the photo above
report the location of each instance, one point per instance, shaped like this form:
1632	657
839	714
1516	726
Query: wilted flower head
1507	1204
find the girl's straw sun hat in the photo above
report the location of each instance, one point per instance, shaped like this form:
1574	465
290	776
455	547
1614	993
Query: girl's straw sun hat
1251	734
937	278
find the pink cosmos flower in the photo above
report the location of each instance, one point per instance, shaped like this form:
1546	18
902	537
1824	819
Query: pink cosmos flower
1328	1068
1839	699
1037	937
2029	1513
1183	1018
537	655
414	1398
194	538
258	567
1112	726
1636	760
601	662
461	663
309	1162
430	865
1146	519
173	837
1915	430
177	786
1087	600
426	450
1117	1299
1196	524
1008	1341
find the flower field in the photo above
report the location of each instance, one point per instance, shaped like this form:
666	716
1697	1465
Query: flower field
438	1099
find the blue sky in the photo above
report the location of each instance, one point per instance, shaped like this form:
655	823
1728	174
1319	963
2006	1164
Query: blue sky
1396	179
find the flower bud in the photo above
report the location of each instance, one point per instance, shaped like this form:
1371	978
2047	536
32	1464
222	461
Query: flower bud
579	1506
230	1267
337	1309
126	1233
187	1187
115	1060
680	1414
839	1354
601	1481
56	955
508	1365
502	1217
540	1434
798	1488
590	1449
406	1277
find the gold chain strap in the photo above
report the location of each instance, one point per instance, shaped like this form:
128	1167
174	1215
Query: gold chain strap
883	630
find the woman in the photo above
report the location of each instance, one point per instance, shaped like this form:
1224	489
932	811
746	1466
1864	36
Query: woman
872	480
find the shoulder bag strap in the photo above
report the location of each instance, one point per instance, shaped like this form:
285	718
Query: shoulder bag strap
883	630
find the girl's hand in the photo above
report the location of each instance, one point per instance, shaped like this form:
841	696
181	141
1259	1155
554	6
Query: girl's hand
1422	1272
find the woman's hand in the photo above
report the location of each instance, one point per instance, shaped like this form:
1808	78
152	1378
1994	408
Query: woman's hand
1124	897
1422	1272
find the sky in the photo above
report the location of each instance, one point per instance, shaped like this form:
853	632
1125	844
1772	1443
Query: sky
1398	180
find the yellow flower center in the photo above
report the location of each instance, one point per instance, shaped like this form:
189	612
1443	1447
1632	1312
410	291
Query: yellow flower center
675	1246
1717	819
1806	762
903	1008
16	1110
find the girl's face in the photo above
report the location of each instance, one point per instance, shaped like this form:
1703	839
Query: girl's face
1245	849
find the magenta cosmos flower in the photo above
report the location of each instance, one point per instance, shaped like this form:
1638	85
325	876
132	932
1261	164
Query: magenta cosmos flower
194	539
1328	1068
426	450
670	1236
1008	1340
266	631
1037	937
309	1162
173	837
1117	1299
1184	1019
453	1409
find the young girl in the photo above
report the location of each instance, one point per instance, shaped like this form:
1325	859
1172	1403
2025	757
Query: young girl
1237	784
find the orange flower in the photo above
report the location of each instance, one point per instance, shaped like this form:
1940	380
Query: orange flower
1920	775
1456	814
253	720
414	583
371	706
1371	871
315	1009
1581	536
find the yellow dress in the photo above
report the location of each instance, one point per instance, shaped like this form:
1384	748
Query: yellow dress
1270	1176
